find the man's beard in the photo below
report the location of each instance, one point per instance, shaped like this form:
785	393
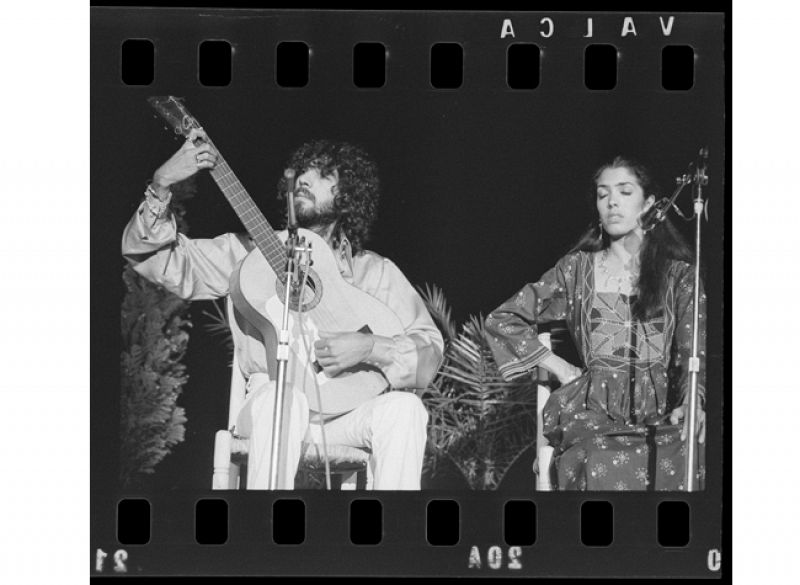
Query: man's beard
310	217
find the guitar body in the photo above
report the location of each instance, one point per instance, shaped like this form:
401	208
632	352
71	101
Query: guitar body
329	303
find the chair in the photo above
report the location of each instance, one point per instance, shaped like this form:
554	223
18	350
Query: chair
542	465
349	465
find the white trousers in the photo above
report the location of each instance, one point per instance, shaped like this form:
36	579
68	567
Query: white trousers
393	426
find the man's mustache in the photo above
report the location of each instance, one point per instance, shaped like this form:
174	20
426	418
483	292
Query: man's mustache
302	192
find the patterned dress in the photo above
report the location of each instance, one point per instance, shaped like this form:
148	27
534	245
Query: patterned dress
610	426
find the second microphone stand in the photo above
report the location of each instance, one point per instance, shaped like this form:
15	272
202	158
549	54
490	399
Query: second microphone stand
701	179
655	216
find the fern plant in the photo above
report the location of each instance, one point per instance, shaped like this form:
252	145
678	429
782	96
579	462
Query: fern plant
154	340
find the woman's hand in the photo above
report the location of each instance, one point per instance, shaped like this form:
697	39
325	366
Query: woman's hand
679	414
338	351
186	162
561	369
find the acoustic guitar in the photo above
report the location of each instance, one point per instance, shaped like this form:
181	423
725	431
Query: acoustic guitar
326	303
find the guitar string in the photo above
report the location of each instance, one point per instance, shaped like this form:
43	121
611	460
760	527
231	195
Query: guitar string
228	181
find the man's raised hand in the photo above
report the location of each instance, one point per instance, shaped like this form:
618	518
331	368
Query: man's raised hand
195	154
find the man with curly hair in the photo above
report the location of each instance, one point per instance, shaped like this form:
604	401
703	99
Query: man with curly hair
336	196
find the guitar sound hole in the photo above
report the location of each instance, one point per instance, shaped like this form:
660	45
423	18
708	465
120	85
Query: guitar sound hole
311	284
311	294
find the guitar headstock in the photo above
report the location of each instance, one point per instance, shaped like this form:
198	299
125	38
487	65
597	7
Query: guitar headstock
174	113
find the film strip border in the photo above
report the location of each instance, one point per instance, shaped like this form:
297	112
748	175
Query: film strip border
429	533
422	534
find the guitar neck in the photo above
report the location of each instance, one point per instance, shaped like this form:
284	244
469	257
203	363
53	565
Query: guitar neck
254	221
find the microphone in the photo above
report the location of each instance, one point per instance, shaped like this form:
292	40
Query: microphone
704	156
655	215
701	178
696	173
288	174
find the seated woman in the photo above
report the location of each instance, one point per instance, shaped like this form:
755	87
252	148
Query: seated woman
626	297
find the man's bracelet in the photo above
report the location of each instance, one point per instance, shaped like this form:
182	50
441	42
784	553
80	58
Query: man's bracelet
156	206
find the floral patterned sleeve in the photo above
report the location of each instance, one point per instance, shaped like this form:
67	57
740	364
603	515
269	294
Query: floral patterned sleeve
682	340
512	328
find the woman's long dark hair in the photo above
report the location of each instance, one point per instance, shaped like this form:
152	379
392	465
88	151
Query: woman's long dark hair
661	246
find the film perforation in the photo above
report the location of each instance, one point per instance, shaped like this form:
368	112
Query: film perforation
211	521
674	521
292	63
443	522
133	521
137	61
369	65
677	67
366	521
523	65
447	65
600	67
597	523
289	522
519	522
214	63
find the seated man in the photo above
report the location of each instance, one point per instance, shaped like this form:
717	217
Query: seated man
336	196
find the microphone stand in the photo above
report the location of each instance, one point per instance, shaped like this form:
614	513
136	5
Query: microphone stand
656	214
700	180
293	248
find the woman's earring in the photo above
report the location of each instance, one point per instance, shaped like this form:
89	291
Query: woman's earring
600	228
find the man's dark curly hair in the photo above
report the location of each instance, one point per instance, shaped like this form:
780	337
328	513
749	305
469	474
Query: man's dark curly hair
358	191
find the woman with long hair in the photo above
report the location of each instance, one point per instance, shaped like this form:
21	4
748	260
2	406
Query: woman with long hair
626	295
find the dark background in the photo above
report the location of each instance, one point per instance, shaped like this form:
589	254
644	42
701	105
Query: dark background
484	187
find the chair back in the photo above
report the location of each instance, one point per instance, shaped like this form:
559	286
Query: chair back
238	383
544	452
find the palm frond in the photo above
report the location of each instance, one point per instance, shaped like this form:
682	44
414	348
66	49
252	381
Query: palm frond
218	324
439	309
478	420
